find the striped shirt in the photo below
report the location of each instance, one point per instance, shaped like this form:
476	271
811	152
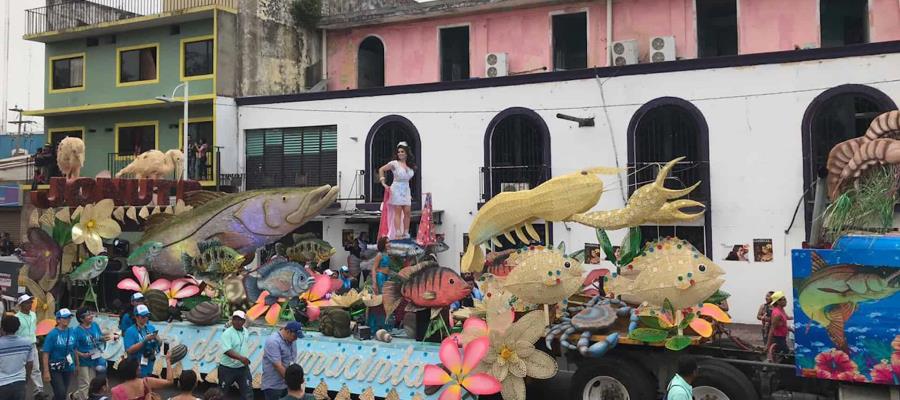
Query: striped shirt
15	351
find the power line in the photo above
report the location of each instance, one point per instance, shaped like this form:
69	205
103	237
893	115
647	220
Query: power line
584	107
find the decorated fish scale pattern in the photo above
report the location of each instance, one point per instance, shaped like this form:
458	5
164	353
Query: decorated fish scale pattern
543	275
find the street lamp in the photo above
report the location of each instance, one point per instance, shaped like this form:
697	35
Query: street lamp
171	99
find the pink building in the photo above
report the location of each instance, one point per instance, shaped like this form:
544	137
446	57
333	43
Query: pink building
446	40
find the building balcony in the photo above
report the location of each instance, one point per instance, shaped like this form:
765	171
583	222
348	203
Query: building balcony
61	16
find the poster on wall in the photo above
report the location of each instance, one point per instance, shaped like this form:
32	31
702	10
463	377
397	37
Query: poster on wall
347	238
738	252
762	250
592	253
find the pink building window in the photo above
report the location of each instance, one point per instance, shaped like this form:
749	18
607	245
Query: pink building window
570	41
454	53
370	59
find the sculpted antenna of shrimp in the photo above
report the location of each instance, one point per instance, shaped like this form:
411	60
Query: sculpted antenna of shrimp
848	159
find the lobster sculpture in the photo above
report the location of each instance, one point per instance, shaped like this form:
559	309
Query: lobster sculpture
850	158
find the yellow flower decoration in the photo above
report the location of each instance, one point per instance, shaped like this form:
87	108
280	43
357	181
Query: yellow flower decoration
512	356
95	224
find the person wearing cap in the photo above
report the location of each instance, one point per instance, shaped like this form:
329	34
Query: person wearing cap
778	331
88	339
234	366
347	281
16	360
27	330
58	359
280	351
141	341
127	318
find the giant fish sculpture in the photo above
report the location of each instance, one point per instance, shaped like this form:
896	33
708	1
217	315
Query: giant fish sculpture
280	277
425	285
672	269
540	275
831	294
242	221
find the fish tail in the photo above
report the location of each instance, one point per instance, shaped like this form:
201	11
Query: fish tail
390	296
251	287
473	259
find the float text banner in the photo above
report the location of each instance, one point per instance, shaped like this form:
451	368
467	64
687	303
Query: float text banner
124	192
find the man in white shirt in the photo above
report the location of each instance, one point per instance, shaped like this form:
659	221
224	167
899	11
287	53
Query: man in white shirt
27	330
16	360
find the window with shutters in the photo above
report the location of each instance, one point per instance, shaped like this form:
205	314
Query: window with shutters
291	157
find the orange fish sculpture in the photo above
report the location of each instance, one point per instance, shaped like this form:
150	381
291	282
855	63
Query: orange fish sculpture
424	285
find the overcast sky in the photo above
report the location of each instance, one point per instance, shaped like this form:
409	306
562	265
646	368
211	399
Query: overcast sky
21	65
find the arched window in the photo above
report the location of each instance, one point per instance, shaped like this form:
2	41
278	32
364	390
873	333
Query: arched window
660	131
380	145
370	67
838	114
516	155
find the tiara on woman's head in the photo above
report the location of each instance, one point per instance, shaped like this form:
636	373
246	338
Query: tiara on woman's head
402	144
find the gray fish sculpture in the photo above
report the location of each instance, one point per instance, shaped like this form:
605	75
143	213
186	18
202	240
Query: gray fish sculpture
280	277
89	269
242	221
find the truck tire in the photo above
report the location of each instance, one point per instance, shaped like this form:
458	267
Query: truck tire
611	378
718	380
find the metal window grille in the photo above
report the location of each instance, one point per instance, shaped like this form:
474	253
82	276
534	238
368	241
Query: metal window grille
291	157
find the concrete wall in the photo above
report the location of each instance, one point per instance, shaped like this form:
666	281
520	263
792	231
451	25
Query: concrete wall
755	147
412	48
100	64
228	54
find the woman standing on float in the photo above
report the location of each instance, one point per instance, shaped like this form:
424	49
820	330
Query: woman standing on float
399	195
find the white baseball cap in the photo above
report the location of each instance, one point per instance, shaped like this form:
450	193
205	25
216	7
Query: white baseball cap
329	272
240	314
63	313
141	310
23	298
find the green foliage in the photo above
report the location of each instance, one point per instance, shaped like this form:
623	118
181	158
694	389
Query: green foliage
868	205
686	321
606	245
718	297
678	343
191	302
307	13
651	321
62	232
631	245
648	335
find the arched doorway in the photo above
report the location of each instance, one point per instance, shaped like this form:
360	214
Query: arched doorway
660	131
516	156
838	114
383	138
370	63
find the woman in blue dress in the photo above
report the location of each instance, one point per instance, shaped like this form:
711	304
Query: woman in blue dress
403	168
58	358
381	269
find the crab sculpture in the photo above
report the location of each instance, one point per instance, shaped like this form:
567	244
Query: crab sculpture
596	316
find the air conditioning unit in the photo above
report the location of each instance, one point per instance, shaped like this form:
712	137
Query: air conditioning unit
662	48
496	64
625	52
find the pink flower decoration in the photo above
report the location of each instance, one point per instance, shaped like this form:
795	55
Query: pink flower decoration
142	284
317	296
835	364
473	328
180	289
883	373
460	366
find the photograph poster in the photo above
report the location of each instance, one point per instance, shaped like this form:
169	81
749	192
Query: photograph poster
738	252
592	253
762	250
347	237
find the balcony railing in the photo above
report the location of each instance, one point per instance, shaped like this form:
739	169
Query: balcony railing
209	172
68	14
498	179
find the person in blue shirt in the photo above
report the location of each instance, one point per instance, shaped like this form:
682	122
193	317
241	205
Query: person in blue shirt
88	343
347	281
59	359
127	318
680	386
141	341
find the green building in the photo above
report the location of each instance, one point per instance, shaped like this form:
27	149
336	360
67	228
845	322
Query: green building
106	69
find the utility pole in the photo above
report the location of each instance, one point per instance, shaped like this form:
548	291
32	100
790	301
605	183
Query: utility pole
19	123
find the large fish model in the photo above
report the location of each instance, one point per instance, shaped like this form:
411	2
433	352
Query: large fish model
405	248
280	277
243	221
214	261
424	285
831	294
543	275
90	268
307	248
145	254
670	268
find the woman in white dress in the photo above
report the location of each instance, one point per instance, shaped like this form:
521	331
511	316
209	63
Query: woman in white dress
403	168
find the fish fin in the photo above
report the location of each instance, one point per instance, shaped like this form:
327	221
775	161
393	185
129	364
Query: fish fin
251	288
496	242
509	237
521	235
410	307
187	261
429	295
830	290
299	237
248	258
390	296
407	273
230	239
157	220
197	198
530	229
473	260
435	313
818	263
838	317
207	244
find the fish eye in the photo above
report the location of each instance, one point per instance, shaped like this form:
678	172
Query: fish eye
452	281
680	278
283	198
702	268
584	172
568	264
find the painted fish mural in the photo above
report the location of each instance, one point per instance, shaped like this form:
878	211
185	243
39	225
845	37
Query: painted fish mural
307	248
242	221
145	254
89	269
832	294
280	277
214	261
425	285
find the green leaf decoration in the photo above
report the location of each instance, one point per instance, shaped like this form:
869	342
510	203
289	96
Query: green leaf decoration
562	247
668	308
631	245
678	343
606	245
191	302
687	320
62	232
650	322
718	297
648	335
578	255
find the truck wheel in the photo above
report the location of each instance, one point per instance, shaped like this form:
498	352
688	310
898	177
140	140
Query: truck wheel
717	380
611	378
